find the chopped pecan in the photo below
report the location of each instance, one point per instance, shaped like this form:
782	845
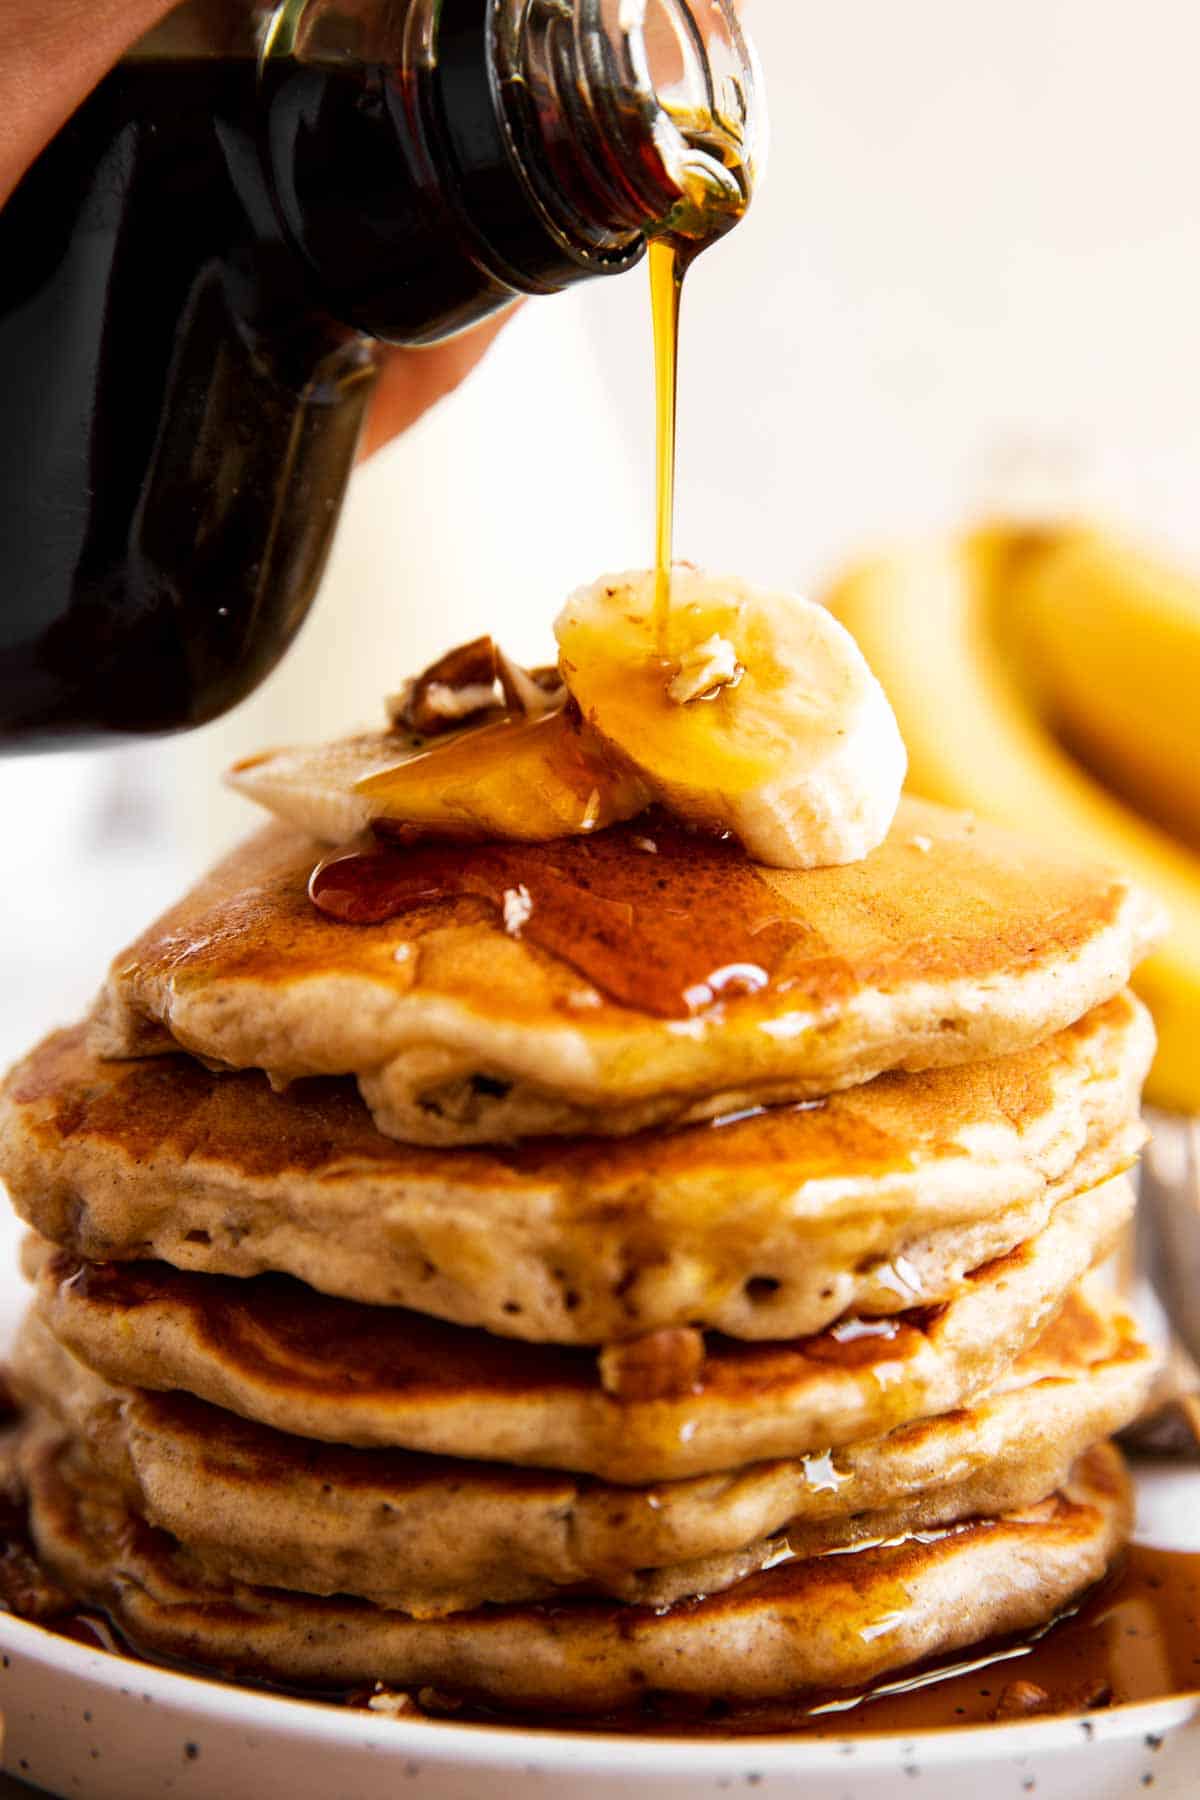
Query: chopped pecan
1019	1698
530	691
394	1703
458	687
663	1365
469	685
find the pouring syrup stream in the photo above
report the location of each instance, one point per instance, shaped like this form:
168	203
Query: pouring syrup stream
715	189
667	269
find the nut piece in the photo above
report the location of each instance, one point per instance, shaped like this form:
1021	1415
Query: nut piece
530	691
459	686
1019	1698
470	684
704	670
393	1702
518	909
663	1365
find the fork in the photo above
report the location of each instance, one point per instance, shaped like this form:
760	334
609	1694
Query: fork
1164	1283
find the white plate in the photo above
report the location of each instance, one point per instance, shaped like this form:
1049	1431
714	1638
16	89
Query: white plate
79	1721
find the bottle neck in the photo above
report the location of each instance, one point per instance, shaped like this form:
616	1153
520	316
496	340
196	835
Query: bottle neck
563	133
630	118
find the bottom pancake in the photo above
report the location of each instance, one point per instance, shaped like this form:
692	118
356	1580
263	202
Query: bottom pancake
832	1621
431	1535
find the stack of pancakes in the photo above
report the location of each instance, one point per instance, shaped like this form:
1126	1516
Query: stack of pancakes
411	1310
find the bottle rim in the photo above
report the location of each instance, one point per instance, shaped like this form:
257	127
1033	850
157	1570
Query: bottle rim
631	118
723	60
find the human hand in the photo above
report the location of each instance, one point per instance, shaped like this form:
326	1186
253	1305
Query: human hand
52	54
411	381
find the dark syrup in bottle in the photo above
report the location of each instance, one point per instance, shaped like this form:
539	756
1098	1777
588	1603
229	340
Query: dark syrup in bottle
179	417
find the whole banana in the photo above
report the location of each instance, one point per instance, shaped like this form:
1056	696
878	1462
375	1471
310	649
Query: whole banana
1108	638
933	623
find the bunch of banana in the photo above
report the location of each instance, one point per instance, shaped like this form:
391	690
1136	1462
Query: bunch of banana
1051	679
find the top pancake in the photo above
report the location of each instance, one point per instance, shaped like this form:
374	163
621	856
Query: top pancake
952	942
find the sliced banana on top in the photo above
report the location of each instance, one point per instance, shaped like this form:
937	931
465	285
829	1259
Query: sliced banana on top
758	715
528	779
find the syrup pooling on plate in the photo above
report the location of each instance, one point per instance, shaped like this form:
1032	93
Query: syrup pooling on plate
667	921
1134	1639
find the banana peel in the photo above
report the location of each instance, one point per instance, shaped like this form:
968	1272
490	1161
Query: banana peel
926	620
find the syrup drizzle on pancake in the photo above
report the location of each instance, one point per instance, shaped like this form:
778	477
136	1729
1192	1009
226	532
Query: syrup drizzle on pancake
662	919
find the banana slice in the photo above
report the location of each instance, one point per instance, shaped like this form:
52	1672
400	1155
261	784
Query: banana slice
762	720
525	778
758	716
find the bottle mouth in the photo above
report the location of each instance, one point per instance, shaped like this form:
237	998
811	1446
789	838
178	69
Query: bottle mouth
697	77
648	115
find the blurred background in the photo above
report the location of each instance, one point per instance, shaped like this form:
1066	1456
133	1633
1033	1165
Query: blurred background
971	279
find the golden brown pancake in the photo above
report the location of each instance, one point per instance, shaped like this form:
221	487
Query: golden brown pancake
669	1406
765	1227
821	1622
430	1535
953	942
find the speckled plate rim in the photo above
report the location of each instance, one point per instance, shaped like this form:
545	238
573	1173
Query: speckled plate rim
515	1749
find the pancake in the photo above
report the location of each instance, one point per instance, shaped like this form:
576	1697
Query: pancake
822	1622
429	1535
664	1407
763	1227
952	943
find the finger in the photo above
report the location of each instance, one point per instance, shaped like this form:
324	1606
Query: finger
52	53
411	381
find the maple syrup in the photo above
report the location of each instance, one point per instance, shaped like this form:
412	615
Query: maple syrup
542	777
714	206
666	287
1135	1638
659	918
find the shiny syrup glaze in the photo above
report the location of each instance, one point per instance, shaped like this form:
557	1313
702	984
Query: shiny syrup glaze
294	1336
659	918
1135	1638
